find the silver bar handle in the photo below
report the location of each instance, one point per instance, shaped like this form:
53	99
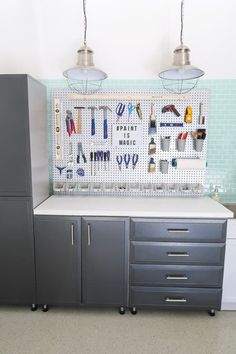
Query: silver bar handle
178	230
89	235
177	254
173	299
176	277
72	234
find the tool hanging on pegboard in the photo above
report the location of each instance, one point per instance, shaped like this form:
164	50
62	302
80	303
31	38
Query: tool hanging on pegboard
70	125
93	126
79	118
152	121
58	132
105	124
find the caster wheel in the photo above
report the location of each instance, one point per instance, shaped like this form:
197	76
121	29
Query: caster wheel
45	308
133	310
121	310
34	307
211	313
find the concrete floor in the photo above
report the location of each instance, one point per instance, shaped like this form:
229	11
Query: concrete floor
104	331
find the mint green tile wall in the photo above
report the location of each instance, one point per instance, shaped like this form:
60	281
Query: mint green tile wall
221	162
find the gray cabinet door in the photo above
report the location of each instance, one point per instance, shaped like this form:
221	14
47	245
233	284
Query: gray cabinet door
57	250
15	176
17	274
104	260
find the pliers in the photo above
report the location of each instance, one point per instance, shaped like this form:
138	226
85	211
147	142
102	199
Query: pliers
119	160
127	160
70	125
134	160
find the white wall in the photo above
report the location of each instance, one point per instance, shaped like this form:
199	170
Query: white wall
132	39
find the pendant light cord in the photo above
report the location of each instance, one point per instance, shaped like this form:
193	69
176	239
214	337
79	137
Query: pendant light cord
85	23
182	22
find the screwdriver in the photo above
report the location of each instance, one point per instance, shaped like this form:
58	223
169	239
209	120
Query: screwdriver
105	160
91	160
108	159
95	162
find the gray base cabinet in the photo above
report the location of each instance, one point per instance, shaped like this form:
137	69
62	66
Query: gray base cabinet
176	264
88	268
104	261
135	262
58	260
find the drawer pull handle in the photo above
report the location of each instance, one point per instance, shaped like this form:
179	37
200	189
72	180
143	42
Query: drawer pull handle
178	230
177	254
89	235
173	299
72	234
176	277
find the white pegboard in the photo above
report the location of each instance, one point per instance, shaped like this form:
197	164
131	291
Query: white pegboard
129	175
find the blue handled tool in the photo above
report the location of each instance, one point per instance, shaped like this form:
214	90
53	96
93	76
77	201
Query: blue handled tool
127	160
131	108
105	126
119	160
60	169
134	160
120	110
108	159
93	128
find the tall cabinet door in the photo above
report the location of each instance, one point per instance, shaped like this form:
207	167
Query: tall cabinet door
104	260
15	176
17	273
57	249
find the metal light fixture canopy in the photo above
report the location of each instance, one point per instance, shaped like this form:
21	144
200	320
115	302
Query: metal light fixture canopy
181	77
85	78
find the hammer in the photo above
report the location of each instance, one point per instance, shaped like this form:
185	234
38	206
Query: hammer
92	119
79	122
105	109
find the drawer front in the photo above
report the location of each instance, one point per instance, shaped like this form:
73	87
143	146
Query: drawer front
178	230
175	297
176	275
177	253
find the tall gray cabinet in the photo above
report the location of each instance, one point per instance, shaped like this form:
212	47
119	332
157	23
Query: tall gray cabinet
23	182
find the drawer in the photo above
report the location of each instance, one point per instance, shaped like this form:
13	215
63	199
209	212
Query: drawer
167	297
177	253
178	230
176	275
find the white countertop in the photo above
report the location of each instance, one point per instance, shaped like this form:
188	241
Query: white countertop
202	207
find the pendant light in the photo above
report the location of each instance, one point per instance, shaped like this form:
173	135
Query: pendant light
181	77
85	78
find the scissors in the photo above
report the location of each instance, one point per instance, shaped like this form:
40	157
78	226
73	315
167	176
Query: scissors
120	110
131	108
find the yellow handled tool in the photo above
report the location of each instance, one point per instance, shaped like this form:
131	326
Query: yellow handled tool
79	119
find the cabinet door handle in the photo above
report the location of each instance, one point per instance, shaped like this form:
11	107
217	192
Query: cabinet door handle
175	299
176	277
72	234
178	230
177	254
89	235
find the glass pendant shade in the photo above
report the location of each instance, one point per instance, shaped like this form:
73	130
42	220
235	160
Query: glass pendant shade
182	68
85	78
85	69
181	77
